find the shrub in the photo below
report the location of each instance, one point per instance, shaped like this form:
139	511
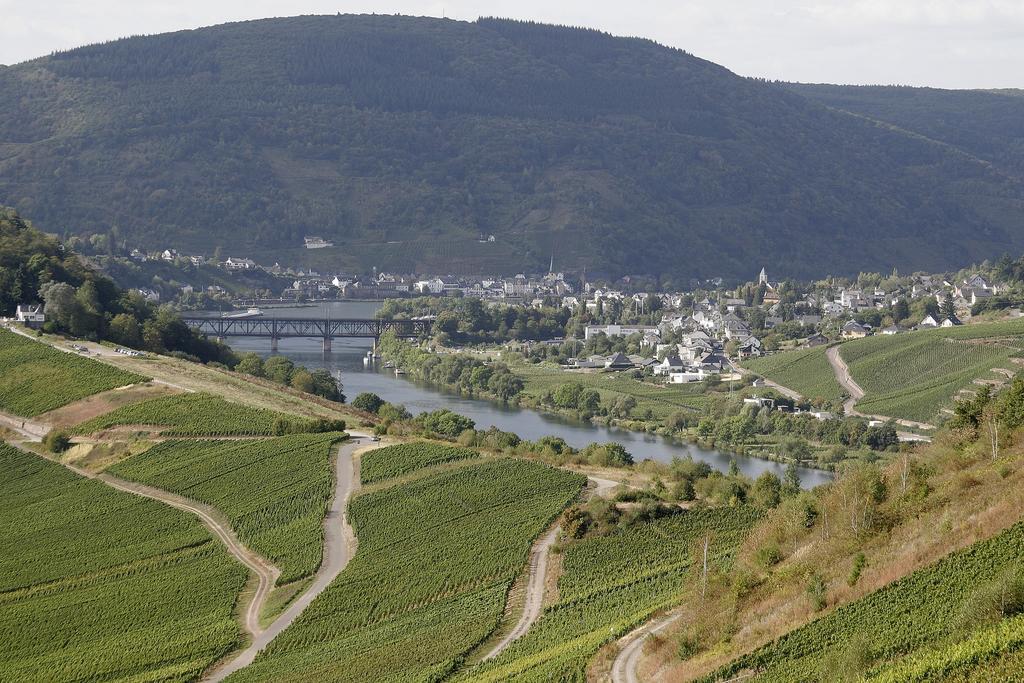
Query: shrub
367	402
57	441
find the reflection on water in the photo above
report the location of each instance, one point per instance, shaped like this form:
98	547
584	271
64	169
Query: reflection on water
347	358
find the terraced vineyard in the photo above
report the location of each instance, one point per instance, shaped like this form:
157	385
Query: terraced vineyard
274	492
394	461
907	617
610	585
36	378
99	585
805	371
193	415
662	400
436	557
915	375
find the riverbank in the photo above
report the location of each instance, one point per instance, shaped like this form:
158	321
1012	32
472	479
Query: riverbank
609	393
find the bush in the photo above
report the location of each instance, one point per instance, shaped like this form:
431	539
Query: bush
57	441
859	562
367	402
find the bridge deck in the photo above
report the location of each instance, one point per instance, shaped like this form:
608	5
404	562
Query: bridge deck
280	328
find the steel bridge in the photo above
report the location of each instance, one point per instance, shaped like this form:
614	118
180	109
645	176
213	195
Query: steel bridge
326	329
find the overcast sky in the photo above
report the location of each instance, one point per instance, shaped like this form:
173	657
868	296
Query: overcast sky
941	43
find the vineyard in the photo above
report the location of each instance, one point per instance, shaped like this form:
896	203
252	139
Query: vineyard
194	415
914	376
610	585
394	461
274	492
662	400
36	378
101	585
436	557
805	371
905	617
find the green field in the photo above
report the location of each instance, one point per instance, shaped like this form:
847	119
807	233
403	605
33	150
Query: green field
662	400
610	585
929	615
192	415
436	557
394	461
36	378
805	371
101	585
274	492
915	375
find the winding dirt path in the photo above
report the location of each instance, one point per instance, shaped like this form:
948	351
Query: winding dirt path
846	381
538	569
339	546
628	660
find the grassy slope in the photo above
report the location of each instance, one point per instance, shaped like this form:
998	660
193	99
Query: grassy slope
190	415
274	492
916	611
35	378
436	557
806	371
663	401
915	375
98	585
609	585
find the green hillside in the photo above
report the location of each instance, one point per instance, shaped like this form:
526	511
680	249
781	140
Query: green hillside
36	378
273	491
805	371
99	585
914	376
942	615
404	139
436	558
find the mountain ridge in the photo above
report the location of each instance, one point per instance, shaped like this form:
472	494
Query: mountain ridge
404	140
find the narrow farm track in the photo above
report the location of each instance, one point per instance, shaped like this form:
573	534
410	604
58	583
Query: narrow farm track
624	669
538	569
339	546
850	386
31	430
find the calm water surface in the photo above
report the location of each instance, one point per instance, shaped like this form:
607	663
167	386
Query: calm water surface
356	376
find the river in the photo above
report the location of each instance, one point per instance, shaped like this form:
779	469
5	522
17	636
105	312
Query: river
348	356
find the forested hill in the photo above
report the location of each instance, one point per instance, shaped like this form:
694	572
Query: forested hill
986	124
404	139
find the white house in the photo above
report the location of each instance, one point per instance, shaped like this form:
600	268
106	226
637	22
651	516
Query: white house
317	243
30	316
239	264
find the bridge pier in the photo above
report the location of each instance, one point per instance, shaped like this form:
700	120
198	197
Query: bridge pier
327	344
273	344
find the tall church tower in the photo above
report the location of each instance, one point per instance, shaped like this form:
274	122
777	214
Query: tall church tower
762	279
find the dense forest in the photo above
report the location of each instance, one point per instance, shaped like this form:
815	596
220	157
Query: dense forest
406	139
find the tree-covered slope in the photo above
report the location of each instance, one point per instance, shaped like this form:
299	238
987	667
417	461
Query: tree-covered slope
404	139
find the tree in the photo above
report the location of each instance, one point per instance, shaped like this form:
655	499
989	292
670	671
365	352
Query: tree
568	395
249	364
125	329
948	309
368	402
278	369
302	380
326	386
767	491
791	480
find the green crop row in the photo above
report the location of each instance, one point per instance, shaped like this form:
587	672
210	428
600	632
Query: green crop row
914	612
195	415
101	585
394	461
36	378
274	492
805	371
609	586
979	650
915	375
436	557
